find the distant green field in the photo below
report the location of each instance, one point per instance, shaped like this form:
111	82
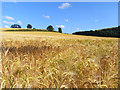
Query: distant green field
20	29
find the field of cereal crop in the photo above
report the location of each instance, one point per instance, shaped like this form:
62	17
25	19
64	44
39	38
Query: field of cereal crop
55	60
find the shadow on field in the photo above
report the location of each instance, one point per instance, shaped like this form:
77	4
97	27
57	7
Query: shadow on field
37	52
98	35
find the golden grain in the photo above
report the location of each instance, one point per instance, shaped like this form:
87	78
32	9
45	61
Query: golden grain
53	60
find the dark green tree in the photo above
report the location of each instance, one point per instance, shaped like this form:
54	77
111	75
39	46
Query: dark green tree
19	26
59	30
15	26
12	26
29	26
50	28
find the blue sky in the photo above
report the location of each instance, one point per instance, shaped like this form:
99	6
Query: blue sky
70	16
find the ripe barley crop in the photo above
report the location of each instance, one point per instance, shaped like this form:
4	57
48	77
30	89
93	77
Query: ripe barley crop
53	62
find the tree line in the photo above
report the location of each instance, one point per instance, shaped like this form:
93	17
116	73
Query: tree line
29	26
107	32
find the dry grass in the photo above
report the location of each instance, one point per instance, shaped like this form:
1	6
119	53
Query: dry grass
53	60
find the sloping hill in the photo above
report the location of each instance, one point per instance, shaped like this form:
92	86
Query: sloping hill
107	32
76	60
44	34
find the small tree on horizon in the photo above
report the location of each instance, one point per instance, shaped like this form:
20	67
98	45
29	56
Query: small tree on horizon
50	28
15	26
60	30
29	26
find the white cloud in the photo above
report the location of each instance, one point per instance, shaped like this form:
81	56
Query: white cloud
78	29
14	1
62	26
96	20
6	27
19	22
6	22
64	5
66	20
45	16
57	26
8	17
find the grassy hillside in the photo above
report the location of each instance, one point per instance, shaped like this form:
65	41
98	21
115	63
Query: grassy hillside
107	32
55	60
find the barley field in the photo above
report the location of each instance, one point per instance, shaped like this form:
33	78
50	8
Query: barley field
55	60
